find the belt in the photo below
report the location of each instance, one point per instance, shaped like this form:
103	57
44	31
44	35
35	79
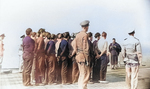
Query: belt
79	50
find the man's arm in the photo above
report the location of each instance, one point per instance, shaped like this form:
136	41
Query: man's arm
32	45
74	45
105	49
63	49
49	48
139	52
86	48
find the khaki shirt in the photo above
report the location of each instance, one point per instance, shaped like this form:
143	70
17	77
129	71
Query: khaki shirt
132	49
40	45
82	47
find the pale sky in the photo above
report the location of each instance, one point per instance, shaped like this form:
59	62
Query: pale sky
115	17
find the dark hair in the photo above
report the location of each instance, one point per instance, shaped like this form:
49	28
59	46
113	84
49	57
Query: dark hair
28	31
44	34
66	34
131	33
49	36
90	34
85	25
53	36
97	35
104	34
33	34
41	30
113	39
59	35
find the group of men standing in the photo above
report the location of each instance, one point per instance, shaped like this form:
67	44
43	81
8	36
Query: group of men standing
52	59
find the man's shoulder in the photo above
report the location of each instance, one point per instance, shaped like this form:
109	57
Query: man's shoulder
136	38
82	33
64	42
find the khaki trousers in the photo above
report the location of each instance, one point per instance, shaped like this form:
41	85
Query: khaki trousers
27	63
69	71
33	70
132	77
64	66
75	72
58	72
40	68
51	63
84	73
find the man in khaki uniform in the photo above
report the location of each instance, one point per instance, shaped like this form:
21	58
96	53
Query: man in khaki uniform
82	55
132	52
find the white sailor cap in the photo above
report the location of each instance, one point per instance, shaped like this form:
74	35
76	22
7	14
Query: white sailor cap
131	31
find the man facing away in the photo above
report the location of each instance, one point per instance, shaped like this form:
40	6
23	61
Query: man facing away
63	53
133	53
28	55
40	59
96	64
58	65
91	54
103	47
81	49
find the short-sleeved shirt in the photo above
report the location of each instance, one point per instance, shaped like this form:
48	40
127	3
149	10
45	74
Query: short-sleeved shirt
103	45
63	47
51	47
131	47
40	45
28	46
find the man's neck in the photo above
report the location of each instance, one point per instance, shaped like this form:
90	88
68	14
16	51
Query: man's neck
83	30
132	35
66	39
104	37
29	35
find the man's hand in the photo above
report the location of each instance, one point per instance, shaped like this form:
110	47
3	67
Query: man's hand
58	58
108	53
35	54
140	63
98	56
46	56
69	56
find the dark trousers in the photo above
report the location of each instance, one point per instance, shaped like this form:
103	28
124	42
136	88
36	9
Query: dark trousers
103	67
27	63
96	70
114	59
58	72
